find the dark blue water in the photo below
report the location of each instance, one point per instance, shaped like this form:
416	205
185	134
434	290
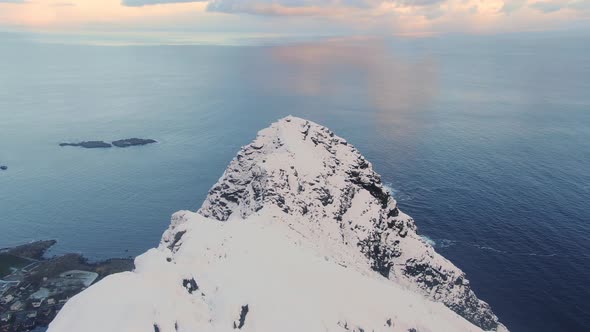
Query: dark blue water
484	140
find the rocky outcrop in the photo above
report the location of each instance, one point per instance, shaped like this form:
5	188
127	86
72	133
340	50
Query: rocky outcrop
305	175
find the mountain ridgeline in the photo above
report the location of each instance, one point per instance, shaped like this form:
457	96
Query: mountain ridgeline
298	234
313	174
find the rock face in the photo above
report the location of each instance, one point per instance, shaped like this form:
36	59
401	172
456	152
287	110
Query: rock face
124	143
299	229
89	144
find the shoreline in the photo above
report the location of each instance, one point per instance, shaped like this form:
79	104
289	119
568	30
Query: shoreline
34	288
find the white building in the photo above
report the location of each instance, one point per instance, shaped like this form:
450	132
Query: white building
7	299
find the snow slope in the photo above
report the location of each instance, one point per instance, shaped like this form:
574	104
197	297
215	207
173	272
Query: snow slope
298	234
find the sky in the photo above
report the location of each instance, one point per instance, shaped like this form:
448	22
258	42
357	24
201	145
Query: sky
381	17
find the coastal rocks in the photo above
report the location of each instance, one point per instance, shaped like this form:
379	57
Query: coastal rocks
123	143
33	250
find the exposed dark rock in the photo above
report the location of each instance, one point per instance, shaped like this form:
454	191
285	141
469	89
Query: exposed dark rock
369	181
324	196
393	212
425	274
380	256
124	143
177	238
305	131
190	285
3	167
242	320
373	188
89	144
156	328
232	196
345	204
470	308
363	164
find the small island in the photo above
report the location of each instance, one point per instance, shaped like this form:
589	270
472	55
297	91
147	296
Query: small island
122	143
33	288
89	144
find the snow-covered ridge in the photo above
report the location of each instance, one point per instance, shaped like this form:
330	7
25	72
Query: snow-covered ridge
299	168
298	234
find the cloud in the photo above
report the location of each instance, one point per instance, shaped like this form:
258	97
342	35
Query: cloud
428	9
547	6
419	2
552	6
579	5
325	17
511	6
270	6
140	3
289	7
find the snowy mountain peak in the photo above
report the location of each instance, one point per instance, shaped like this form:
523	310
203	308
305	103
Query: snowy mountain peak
300	167
323	187
298	234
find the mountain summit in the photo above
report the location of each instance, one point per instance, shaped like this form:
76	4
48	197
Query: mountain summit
299	234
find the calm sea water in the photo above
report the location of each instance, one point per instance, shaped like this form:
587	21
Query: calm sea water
484	140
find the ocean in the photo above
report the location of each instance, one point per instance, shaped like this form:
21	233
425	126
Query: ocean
484	140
